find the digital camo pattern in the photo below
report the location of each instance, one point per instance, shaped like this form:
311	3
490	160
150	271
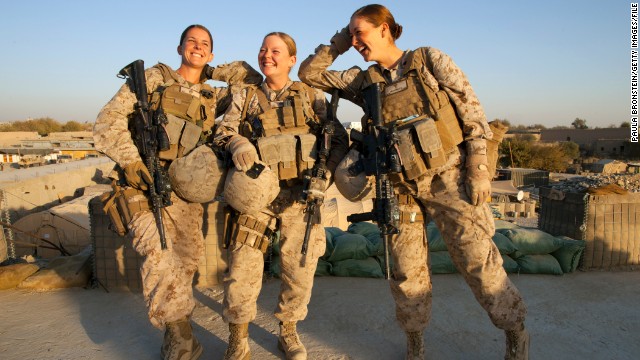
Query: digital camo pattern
446	75
111	133
243	281
167	276
466	229
244	278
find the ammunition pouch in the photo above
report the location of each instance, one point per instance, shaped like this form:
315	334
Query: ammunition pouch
246	230
183	137
291	155
121	204
420	147
409	216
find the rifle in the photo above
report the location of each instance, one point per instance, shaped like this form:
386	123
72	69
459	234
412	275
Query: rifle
150	138
380	158
312	195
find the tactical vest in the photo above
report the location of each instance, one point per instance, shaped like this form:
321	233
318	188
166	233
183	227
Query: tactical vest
189	113
428	127
284	131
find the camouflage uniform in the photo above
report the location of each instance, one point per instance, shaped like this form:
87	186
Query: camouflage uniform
167	275
243	281
440	193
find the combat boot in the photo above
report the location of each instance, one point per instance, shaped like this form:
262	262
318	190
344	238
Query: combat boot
238	348
289	342
415	345
517	344
179	342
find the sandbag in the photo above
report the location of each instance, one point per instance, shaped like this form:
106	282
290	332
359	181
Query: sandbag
502	224
349	246
531	241
569	254
504	244
366	229
331	233
441	263
539	264
434	238
509	264
14	274
324	268
62	272
369	267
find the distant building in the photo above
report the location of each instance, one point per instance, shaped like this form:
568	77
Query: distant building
78	145
607	142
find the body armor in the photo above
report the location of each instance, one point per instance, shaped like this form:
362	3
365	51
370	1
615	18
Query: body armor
427	125
187	114
284	132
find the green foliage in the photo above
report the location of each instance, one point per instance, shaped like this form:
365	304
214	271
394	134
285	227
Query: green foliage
579	124
571	149
625	124
45	126
521	152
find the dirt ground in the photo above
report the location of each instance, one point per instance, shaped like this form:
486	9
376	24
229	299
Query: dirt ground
584	315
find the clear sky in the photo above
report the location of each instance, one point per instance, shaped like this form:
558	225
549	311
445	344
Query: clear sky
531	62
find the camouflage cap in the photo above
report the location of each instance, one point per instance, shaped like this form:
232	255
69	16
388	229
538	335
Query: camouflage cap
354	188
248	195
199	176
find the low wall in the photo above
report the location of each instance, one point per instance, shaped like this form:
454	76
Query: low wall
36	189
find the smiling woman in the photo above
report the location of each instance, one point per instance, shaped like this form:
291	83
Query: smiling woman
183	109
279	124
437	126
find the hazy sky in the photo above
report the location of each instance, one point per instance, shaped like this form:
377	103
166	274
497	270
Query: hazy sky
531	62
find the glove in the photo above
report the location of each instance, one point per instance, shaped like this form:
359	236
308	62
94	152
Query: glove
478	181
207	73
137	175
342	40
477	184
243	153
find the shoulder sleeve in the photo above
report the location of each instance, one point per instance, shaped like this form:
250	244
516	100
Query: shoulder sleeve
111	130
455	83
314	72
230	123
236	73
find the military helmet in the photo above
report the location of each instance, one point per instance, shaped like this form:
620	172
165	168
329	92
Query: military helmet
199	176
354	188
250	194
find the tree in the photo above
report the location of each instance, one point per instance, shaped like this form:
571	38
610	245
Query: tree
524	153
505	122
571	149
73	126
45	126
579	124
625	124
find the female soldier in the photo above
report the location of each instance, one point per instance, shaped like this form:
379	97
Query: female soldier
441	131
190	107
279	123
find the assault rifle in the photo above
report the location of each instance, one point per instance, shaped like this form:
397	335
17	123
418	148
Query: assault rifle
379	158
150	138
310	194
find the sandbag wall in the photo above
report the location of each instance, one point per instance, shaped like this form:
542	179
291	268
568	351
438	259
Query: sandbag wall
358	252
608	223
